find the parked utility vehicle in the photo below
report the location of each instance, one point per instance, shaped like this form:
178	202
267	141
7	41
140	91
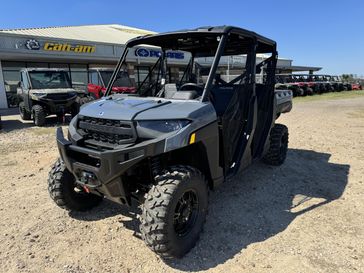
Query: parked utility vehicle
337	84
290	82
356	86
99	78
45	91
169	143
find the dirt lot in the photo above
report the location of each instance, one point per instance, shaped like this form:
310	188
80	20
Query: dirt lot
305	216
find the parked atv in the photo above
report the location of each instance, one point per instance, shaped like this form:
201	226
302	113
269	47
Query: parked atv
99	78
356	86
336	83
168	144
307	86
46	92
291	82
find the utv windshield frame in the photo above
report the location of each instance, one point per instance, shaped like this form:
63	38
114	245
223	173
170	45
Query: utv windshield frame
206	42
36	84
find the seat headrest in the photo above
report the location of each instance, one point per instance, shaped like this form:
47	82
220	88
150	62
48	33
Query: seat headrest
184	95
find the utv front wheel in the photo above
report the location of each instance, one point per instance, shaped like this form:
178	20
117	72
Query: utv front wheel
65	193
174	212
39	115
24	114
278	145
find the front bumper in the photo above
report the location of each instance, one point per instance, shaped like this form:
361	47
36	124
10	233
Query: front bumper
106	167
59	106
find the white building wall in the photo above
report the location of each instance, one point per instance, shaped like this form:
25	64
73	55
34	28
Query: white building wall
3	102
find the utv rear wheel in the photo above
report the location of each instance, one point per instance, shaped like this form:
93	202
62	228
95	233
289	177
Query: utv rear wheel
301	92
174	211
39	115
24	114
65	193
278	145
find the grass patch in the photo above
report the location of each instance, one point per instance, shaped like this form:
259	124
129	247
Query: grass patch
331	96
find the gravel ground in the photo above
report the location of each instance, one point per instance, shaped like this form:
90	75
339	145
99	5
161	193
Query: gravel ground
304	216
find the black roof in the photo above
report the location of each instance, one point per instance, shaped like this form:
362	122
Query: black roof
205	38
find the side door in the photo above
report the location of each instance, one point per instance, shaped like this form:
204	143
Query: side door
238	123
239	120
24	89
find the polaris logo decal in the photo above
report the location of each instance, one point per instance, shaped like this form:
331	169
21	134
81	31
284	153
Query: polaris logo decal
101	113
144	52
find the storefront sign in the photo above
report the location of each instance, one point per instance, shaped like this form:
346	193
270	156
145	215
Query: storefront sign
49	46
144	52
33	44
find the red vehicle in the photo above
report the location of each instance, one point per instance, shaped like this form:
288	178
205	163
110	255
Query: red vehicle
99	79
356	86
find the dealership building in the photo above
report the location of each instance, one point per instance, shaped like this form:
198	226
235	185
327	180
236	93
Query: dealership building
78	49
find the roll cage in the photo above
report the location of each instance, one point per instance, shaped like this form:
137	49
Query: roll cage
209	42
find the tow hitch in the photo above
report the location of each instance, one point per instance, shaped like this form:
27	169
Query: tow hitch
88	180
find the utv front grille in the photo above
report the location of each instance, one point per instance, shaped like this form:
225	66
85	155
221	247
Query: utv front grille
106	133
60	96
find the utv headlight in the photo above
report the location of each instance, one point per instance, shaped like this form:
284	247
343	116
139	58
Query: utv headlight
163	126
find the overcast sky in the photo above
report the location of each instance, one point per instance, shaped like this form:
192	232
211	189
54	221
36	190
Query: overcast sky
329	34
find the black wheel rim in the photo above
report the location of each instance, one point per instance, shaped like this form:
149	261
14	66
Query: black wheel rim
185	213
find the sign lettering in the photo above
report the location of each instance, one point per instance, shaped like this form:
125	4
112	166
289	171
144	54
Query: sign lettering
65	47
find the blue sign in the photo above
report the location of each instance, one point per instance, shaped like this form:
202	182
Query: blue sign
143	52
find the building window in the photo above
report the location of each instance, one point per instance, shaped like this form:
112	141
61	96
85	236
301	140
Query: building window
79	76
37	65
60	66
94	78
11	74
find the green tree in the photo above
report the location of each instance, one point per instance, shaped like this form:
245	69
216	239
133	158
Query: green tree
348	77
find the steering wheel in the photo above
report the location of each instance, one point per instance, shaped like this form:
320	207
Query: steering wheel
190	85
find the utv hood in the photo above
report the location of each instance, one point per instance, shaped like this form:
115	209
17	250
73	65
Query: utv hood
135	108
119	108
54	91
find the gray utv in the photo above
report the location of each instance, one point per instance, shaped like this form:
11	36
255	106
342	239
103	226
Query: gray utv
174	139
48	91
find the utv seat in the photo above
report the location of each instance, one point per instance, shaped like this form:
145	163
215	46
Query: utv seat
184	95
171	92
